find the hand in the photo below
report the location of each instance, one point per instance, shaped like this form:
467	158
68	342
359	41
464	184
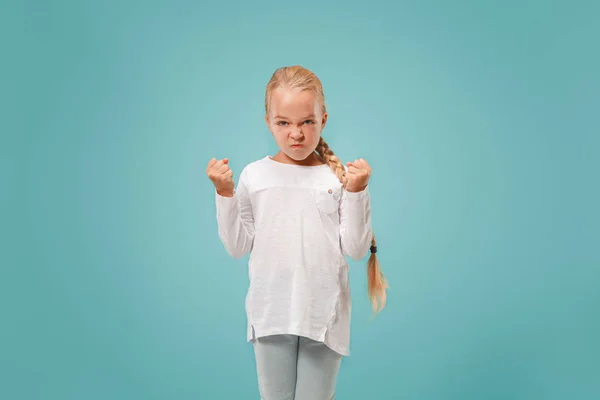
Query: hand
221	176
357	175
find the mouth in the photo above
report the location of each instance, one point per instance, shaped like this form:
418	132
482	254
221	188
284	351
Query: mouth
297	146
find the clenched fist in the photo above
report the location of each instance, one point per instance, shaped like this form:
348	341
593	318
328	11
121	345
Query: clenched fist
221	176
357	175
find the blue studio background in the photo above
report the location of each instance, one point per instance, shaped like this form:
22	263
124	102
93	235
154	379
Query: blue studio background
480	122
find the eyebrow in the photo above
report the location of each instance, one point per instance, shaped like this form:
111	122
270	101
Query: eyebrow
307	117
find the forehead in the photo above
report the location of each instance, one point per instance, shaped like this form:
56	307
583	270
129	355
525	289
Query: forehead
293	103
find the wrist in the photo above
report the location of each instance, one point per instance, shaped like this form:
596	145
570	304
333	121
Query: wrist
225	193
356	190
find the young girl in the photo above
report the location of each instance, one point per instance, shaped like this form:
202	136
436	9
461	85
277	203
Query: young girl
299	214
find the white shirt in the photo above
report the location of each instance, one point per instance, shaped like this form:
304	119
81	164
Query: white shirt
299	224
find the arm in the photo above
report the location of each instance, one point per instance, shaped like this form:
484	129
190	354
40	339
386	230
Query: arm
356	230
235	220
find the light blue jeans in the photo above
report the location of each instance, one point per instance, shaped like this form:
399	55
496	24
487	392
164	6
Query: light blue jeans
290	367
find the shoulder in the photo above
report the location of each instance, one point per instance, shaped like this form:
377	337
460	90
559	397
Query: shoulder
256	166
254	169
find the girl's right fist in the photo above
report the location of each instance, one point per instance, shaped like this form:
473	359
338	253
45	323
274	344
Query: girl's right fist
221	176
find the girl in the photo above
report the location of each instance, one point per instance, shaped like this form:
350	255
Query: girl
299	221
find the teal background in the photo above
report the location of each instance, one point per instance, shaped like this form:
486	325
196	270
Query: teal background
480	120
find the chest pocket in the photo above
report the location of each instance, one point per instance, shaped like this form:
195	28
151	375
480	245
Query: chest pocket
328	199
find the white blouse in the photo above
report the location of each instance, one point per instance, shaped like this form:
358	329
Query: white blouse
299	224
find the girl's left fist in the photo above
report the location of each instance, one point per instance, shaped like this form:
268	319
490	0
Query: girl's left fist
357	175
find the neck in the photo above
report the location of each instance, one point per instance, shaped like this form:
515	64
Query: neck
312	160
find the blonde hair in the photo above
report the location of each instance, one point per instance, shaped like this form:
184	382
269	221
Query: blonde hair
298	77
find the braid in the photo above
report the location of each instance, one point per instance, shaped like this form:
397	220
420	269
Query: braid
331	159
377	284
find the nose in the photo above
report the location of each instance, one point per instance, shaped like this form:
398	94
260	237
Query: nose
296	134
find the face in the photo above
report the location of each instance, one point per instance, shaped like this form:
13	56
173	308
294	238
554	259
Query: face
296	121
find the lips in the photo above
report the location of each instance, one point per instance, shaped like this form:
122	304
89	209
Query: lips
296	146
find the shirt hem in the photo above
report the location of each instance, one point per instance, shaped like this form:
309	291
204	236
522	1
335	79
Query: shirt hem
254	334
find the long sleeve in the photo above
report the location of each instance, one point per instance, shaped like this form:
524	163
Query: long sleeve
235	220
355	223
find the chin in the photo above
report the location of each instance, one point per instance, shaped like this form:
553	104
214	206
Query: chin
298	154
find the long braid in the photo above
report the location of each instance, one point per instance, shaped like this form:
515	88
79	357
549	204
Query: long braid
377	284
331	159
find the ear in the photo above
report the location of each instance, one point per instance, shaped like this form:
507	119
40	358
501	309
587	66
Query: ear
324	120
268	125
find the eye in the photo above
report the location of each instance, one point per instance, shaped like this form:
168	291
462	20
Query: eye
281	123
309	121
